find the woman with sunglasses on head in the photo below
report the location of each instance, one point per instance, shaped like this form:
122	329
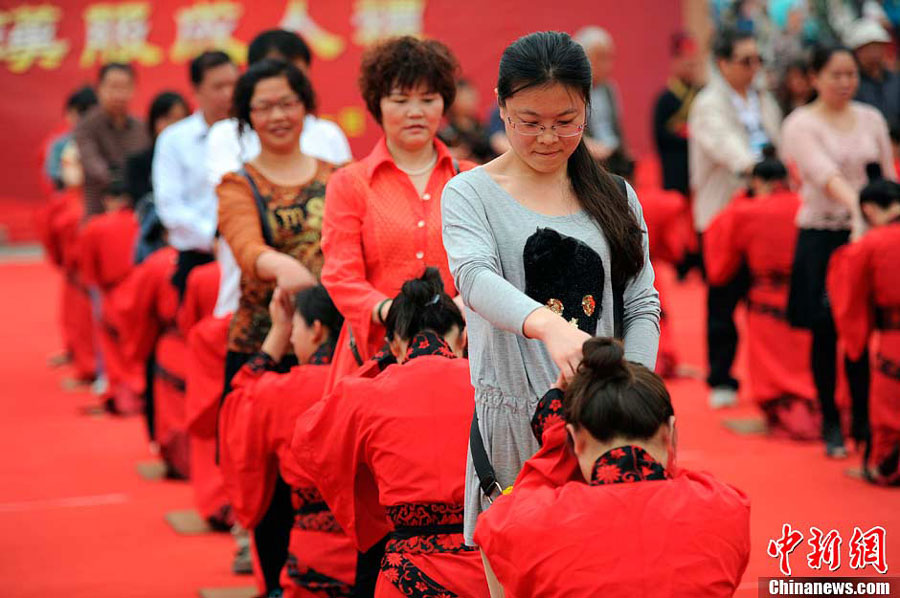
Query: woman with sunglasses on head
602	510
520	342
270	214
383	218
828	144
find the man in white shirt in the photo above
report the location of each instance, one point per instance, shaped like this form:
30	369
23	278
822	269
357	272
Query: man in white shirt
227	152
184	198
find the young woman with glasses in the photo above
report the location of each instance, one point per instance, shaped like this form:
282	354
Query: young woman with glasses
518	344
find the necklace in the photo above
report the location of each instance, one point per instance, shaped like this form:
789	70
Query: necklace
422	170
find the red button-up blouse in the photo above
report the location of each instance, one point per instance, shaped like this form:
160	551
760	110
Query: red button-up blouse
377	233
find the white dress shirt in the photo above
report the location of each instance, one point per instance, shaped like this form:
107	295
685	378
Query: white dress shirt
226	152
185	201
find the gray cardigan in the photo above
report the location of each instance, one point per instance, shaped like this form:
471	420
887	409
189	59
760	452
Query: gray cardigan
484	232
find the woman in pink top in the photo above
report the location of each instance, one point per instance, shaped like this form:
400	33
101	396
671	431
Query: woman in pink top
828	144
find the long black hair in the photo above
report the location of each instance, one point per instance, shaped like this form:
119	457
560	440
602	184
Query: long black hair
549	57
612	397
422	305
314	304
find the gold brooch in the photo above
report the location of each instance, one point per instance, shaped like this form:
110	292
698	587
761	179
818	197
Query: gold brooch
555	305
588	305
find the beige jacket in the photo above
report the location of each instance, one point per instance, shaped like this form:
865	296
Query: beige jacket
718	147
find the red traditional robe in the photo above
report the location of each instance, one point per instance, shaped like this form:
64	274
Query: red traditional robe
147	308
207	341
203	389
390	452
864	289
59	230
106	249
761	233
147	303
669	236
634	530
200	294
256	426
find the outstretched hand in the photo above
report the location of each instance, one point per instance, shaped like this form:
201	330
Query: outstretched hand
563	341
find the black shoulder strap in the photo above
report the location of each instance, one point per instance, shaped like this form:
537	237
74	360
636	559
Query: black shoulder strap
455	167
260	207
619	289
354	348
487	477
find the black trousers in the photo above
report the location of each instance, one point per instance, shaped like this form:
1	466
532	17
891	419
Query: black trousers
368	565
272	535
824	370
808	307
721	332
149	409
187	261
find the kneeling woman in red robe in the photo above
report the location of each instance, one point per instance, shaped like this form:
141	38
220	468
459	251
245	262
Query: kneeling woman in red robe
389	452
608	515
758	230
256	424
864	289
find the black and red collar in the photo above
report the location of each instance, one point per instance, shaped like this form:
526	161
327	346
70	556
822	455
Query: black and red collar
428	342
627	464
323	355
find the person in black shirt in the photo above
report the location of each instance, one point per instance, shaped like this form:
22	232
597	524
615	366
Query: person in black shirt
671	111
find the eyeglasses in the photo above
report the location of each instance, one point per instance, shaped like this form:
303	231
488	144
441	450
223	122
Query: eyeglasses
535	129
748	61
286	105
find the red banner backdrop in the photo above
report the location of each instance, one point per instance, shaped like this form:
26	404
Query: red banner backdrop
49	48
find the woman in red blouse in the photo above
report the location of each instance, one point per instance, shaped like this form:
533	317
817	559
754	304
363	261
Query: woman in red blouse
382	222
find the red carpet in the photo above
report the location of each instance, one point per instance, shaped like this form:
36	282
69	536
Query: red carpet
77	521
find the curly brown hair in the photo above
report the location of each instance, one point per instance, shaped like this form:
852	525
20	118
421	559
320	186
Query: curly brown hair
406	62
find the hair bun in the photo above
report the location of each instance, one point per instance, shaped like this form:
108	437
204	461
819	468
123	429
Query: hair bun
604	357
421	291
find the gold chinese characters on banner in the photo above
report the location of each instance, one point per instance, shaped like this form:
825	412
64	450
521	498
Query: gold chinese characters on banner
324	43
206	26
118	33
122	31
28	37
377	19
